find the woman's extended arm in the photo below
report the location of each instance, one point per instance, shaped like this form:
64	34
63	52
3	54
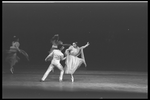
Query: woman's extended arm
85	46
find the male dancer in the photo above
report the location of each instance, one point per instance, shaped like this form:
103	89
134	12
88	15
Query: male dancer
57	55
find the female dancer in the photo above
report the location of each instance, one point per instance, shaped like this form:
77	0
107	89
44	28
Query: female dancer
72	59
12	54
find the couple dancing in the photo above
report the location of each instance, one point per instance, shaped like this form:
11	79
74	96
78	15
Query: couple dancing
72	60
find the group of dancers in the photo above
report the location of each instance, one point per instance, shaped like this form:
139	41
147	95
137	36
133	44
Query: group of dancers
72	61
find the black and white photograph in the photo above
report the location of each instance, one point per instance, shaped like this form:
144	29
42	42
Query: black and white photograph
74	49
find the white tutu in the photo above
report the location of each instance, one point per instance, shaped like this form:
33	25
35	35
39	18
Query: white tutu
72	63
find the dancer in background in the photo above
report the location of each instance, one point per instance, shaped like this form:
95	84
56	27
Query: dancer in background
55	44
72	59
56	55
12	54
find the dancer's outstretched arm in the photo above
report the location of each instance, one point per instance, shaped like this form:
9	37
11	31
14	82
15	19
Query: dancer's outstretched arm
24	53
18	49
48	56
85	45
66	44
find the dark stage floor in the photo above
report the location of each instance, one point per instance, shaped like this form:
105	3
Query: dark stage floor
88	84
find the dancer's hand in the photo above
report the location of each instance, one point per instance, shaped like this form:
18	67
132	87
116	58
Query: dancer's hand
46	59
56	34
88	43
64	58
19	50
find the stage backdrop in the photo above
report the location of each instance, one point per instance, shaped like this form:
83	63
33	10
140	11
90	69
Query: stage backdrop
117	32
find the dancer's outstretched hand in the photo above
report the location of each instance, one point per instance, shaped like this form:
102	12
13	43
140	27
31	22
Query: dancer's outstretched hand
56	34
88	43
46	59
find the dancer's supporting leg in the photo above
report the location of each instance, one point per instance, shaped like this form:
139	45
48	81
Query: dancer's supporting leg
72	78
60	67
47	72
11	69
61	75
12	63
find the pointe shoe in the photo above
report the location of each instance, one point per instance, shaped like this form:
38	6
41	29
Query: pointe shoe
41	80
72	80
11	70
60	79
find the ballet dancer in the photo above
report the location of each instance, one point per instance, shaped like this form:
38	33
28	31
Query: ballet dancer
56	55
12	54
72	60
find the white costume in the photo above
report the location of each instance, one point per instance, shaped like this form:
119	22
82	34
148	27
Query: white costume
57	56
73	61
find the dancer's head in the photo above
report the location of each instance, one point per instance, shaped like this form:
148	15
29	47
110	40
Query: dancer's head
61	48
74	44
56	36
16	39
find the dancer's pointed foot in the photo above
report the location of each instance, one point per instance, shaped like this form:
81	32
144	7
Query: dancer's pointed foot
11	70
60	79
41	80
72	79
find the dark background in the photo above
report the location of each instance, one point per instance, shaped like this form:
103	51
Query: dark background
117	32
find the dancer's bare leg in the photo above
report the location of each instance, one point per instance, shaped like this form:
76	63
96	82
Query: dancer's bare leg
11	66
47	72
72	78
11	69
